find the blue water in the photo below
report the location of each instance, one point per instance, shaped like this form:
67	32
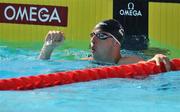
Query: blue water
157	93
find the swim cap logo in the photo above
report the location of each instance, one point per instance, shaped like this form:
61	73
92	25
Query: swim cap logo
121	31
33	14
130	11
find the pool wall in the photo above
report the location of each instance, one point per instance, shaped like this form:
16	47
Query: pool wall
82	15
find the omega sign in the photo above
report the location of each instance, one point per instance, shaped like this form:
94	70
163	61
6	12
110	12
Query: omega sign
33	14
130	11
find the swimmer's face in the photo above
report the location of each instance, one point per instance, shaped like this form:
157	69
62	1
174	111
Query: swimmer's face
102	45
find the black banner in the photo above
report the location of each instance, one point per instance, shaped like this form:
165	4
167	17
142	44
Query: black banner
133	15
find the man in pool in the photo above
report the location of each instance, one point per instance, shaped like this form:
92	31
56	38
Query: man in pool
106	39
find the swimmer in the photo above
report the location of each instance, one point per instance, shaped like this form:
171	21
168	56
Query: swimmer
105	44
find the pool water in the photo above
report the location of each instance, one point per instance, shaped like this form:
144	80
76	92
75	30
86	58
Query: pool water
157	93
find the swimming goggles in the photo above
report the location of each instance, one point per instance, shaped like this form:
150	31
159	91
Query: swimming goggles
103	36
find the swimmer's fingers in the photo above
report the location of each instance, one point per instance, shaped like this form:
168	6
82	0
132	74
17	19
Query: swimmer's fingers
165	60
54	38
167	64
49	39
48	36
59	36
158	58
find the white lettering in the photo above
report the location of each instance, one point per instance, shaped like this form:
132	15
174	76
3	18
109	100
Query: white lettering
13	14
131	6
130	11
55	16
139	13
126	12
134	13
43	17
32	13
121	12
21	13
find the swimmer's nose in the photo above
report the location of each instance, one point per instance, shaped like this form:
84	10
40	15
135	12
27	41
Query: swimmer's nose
93	42
94	39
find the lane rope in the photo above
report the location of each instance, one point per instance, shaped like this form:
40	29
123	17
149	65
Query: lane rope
138	70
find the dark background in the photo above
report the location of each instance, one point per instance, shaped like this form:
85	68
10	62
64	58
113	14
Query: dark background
136	27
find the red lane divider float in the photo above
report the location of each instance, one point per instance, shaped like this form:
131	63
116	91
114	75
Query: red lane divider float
139	70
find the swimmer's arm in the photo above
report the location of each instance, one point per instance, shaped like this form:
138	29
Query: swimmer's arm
52	40
46	52
158	58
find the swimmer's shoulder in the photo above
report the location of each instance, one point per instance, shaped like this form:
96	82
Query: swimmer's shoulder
130	60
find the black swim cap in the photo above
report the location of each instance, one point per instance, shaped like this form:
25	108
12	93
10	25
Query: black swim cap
112	26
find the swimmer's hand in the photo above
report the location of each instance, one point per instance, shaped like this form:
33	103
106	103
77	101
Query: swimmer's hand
52	40
158	58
